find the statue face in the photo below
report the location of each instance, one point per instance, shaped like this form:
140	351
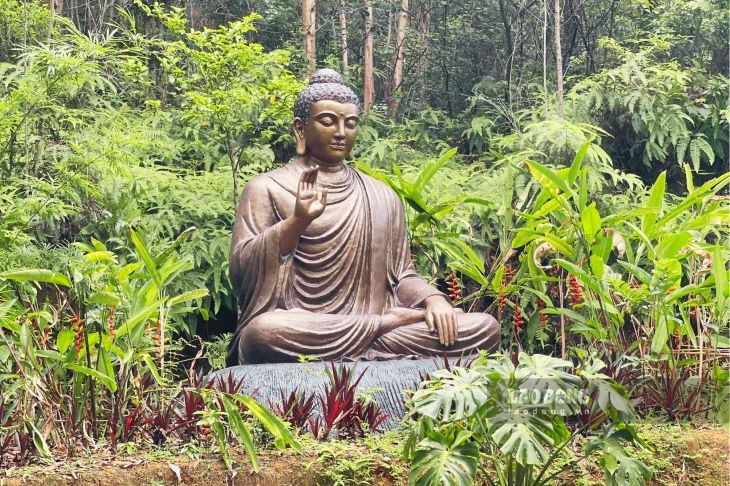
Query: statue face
329	132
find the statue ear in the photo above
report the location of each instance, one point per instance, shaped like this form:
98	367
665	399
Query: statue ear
299	137
349	156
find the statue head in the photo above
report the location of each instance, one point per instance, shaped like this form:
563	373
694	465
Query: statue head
326	116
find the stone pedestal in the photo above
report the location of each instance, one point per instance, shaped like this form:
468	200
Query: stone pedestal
384	381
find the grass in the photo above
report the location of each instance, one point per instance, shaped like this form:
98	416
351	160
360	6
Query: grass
680	454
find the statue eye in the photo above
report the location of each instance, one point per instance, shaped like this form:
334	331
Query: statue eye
351	123
327	121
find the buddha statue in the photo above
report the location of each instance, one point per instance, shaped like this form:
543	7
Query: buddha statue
320	261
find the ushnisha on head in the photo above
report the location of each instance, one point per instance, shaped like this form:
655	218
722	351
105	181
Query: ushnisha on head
325	84
326	116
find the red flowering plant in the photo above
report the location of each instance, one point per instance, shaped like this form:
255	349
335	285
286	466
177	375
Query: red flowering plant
650	280
85	349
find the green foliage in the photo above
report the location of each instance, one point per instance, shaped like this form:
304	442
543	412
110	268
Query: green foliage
154	125
90	375
654	107
21	23
442	460
91	145
515	415
233	94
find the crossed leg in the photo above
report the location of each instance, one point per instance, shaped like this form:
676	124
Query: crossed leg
284	335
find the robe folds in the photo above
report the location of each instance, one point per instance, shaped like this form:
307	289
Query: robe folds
326	298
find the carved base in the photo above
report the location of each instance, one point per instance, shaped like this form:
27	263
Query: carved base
384	381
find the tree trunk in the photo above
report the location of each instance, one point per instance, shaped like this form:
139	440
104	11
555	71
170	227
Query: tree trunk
545	54
369	82
510	47
444	67
558	57
343	39
309	26
400	47
56	6
425	29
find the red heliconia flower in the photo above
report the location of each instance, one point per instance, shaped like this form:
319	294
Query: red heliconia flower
543	316
110	322
502	302
454	289
157	338
575	289
78	329
508	276
517	319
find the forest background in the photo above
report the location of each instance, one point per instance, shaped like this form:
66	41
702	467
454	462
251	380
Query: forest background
564	164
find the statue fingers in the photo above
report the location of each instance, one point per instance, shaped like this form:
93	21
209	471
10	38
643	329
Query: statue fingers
310	178
323	197
448	331
454	327
302	185
429	322
441	329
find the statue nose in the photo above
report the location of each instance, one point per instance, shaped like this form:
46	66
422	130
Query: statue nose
340	133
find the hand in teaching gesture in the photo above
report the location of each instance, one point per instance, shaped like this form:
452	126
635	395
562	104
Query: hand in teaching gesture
310	202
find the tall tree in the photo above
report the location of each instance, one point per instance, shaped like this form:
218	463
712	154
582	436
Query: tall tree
400	47
510	48
56	6
558	58
424	27
309	25
368	82
343	38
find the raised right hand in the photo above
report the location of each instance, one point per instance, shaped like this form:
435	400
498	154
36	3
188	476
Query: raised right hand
310	202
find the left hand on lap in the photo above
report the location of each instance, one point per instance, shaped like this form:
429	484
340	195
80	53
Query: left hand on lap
441	317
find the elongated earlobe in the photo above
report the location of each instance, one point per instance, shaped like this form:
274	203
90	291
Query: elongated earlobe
301	147
349	156
299	137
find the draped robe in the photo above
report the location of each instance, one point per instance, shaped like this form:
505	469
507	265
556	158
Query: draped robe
327	297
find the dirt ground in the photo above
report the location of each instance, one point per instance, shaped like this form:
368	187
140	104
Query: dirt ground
681	455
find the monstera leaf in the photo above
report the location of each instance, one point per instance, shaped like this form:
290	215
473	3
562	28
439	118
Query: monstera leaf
610	396
524	436
443	460
619	468
451	395
546	383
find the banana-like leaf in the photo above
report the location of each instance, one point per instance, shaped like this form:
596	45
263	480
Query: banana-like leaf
104	298
272	423
431	169
188	296
37	275
182	237
654	204
144	254
108	382
39	441
239	428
